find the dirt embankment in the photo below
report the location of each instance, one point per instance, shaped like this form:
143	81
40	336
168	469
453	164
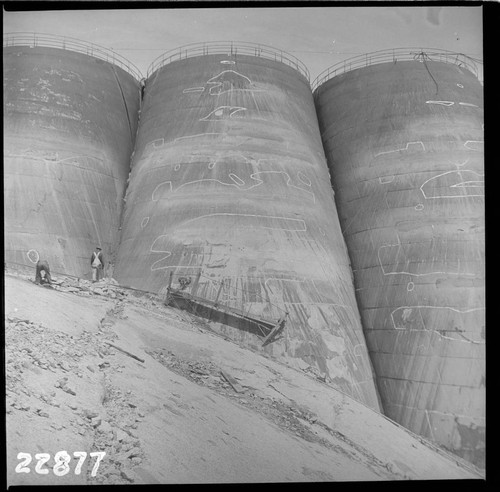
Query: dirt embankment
98	369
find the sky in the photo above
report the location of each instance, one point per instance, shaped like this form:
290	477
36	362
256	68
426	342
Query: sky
318	36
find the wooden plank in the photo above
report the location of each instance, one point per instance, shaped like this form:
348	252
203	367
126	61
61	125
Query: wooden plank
235	385
274	332
205	302
125	351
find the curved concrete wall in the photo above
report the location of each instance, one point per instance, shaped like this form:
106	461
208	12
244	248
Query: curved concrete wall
404	143
69	127
229	177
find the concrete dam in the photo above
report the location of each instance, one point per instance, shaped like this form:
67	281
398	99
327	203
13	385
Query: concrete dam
69	127
217	169
403	134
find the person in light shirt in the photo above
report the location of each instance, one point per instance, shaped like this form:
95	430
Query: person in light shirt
97	263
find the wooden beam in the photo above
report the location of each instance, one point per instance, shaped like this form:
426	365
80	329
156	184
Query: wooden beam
274	332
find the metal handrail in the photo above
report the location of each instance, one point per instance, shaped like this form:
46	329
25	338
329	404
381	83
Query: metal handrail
229	48
32	40
394	55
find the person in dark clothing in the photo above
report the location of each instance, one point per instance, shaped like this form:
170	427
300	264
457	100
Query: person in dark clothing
97	263
43	266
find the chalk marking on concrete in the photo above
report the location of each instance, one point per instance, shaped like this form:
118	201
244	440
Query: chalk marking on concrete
461	184
410	286
237	180
193	89
468	104
419	143
223	112
227	62
460	85
459	164
399	245
33	253
299	228
144	222
420	206
231	77
166	253
176	140
54	159
166	267
238	183
469	184
480	143
442	103
386	179
165	183
356	349
407	311
304	179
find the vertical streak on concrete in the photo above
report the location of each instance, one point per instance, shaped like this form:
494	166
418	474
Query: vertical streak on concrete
67	147
404	143
229	177
124	103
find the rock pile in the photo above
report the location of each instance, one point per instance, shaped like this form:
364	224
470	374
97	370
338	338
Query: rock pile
38	357
107	287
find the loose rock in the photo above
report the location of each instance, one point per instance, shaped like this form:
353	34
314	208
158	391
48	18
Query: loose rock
127	475
104	427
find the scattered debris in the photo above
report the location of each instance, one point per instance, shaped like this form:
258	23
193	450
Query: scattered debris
287	416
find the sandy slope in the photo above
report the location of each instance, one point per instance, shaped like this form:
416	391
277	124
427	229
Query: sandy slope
174	418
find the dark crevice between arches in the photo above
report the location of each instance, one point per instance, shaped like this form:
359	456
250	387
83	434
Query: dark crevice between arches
130	157
125	105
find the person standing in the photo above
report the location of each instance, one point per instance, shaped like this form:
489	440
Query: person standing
97	263
43	266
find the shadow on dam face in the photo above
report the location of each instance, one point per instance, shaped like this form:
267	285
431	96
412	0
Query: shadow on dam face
229	177
404	142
